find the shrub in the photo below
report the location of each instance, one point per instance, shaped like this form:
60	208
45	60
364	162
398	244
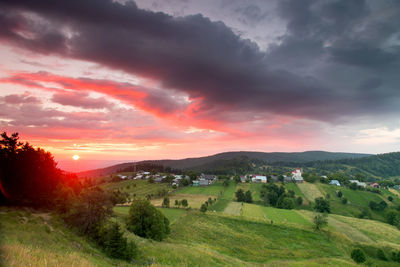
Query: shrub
247	197
299	201
146	221
381	255
344	201
357	255
339	194
115	245
285	203
392	217
184	203
396	256
203	208
240	197
165	202
322	205
320	220
390	198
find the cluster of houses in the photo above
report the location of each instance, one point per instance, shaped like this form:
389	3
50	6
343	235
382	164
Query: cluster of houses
257	178
357	182
208	179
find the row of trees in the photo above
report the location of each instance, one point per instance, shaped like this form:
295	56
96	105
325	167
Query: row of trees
279	197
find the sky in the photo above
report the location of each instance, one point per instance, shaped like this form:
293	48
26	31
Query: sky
113	81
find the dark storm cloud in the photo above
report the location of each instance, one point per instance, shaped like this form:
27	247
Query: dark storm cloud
206	60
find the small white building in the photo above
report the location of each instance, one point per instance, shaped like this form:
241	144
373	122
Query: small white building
296	176
335	182
358	183
259	179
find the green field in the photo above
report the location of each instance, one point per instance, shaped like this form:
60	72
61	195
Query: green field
253	211
137	188
210	239
214	189
310	191
172	214
224	199
282	216
234	208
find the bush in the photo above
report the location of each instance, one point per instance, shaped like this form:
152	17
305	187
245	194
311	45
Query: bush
392	217
357	255
390	198
240	197
322	205
396	256
299	201
285	203
247	197
381	255
146	221
339	194
165	202
115	245
344	201
184	203
203	208
320	220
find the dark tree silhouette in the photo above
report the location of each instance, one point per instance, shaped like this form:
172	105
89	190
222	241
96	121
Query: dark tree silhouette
28	176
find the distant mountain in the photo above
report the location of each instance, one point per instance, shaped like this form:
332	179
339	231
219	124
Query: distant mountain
232	158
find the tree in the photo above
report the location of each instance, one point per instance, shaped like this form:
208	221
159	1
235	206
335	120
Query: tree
357	255
320	221
392	217
89	210
236	178
240	197
390	198
115	245
203	208
247	197
177	203
225	183
339	194
285	203
353	186
299	201
146	221
165	203
322	205
344	201
184	203
28	176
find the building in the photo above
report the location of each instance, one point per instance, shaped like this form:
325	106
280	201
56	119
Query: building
243	179
374	185
335	182
358	183
259	179
296	176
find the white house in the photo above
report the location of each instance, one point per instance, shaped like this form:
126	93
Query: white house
335	182
296	176
259	179
358	183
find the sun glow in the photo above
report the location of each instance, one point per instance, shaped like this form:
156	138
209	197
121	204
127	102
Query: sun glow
75	157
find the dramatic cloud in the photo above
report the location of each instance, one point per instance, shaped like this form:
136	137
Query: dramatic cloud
290	74
206	60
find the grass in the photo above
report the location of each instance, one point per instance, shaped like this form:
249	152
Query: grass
310	191
282	216
210	239
137	188
234	208
225	198
214	189
37	239
194	200
171	213
255	189
253	211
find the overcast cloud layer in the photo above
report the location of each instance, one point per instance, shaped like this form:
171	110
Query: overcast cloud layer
319	61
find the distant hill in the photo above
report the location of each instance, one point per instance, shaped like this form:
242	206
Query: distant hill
231	158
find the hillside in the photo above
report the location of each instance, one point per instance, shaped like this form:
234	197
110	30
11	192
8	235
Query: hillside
231	159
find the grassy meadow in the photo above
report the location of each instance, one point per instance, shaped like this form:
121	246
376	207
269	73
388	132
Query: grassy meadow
229	234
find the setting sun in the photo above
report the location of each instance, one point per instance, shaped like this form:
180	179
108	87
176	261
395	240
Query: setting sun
75	157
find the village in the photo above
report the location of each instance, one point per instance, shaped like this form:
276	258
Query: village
179	180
